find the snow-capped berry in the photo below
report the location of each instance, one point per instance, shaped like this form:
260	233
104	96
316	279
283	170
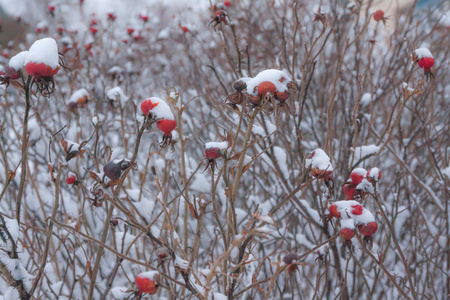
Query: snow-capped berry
166	126
374	175
349	190
425	60
266	87
320	164
347	233
42	59
147	105
213	153
369	228
71	179
357	176
378	15
11	73
161	253
334	211
357	209
146	283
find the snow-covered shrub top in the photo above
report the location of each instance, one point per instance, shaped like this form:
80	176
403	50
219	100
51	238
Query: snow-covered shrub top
353	213
219	145
319	160
160	109
44	51
79	94
277	77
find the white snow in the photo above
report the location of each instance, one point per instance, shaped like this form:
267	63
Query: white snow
181	262
446	172
423	52
277	77
116	94
220	145
119	292
281	158
364	151
81	93
44	51
149	274
319	160
18	61
366	98
365	186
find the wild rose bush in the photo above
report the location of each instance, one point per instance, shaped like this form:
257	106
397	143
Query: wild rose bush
232	206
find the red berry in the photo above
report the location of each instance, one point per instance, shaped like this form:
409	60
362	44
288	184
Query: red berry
213	153
357	176
93	22
114	222
349	190
143	17
334	211
112	16
40	69
227	3
161	253
93	30
166	126
146	284
51	8
11	73
184	28
347	233
357	209
71	179
147	106
426	63
130	30
369	228
378	15
373	175
282	96
266	87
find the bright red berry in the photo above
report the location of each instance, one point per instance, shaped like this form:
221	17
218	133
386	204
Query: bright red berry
374	175
369	228
166	126
378	15
51	8
111	16
40	69
426	63
227	3
184	28
347	233
334	211
357	176
143	17
93	30
71	179
11	73
130	30
145	283
349	190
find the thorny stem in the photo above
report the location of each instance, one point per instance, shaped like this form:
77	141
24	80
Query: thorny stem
24	149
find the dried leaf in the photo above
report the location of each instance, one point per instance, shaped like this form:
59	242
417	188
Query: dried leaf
246	167
11	175
193	211
94	176
64	144
235	156
50	168
255	281
89	268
